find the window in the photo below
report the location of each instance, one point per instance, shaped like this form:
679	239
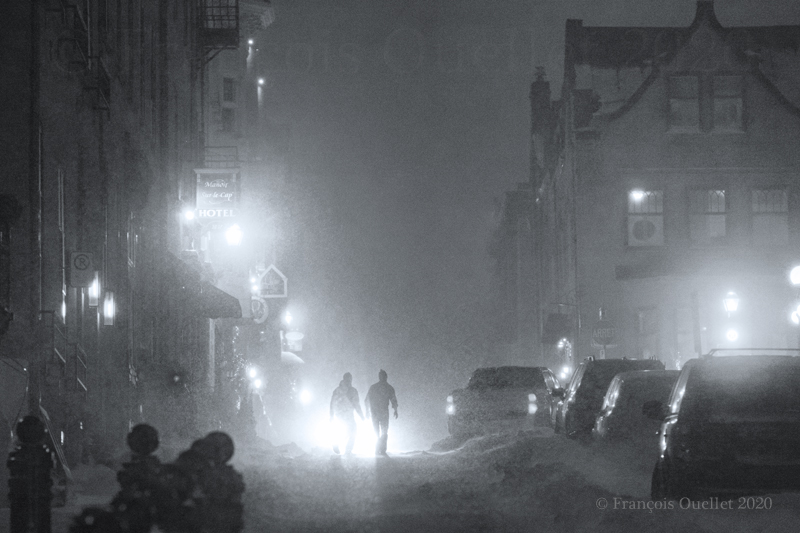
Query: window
728	103
684	103
770	217
228	118
645	218
707	223
228	90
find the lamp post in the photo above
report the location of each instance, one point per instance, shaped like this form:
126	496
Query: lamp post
731	304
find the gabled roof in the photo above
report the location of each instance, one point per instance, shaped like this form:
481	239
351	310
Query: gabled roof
617	64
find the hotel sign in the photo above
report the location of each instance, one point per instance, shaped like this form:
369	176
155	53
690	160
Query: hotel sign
217	194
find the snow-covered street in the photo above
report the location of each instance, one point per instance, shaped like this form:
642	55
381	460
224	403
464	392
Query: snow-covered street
526	482
531	481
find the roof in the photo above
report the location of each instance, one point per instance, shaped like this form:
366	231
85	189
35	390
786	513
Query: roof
613	66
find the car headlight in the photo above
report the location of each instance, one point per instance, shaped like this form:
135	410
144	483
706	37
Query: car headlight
305	397
451	406
531	398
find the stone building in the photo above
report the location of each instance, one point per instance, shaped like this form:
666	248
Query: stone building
665	180
110	314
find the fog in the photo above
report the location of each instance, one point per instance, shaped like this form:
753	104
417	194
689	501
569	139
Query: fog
408	123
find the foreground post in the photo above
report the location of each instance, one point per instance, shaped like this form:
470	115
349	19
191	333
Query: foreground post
30	482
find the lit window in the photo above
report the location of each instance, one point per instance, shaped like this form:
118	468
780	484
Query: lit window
645	218
684	103
770	217
707	221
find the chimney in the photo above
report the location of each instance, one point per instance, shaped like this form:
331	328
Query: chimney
705	13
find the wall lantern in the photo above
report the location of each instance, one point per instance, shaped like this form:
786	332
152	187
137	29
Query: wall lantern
94	290
109	309
731	302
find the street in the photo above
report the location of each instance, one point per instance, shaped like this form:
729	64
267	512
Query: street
534	481
530	482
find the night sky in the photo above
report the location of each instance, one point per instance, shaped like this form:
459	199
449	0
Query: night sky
409	121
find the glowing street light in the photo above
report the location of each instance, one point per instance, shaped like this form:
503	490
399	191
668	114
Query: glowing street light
234	235
794	276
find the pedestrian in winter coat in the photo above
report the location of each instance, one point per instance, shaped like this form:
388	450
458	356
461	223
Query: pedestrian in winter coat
344	402
379	396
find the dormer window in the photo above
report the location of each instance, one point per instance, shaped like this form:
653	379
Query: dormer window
727	92
684	103
704	103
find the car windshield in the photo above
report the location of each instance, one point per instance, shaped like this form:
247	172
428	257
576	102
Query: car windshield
506	378
641	391
598	377
746	391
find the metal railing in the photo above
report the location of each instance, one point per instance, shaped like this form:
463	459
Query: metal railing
55	331
221	157
78	368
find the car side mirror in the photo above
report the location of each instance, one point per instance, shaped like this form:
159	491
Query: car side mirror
558	392
654	410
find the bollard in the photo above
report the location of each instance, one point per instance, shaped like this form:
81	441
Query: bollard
135	504
30	465
198	493
220	484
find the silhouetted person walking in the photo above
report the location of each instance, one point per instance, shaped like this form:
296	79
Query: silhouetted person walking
379	396
343	403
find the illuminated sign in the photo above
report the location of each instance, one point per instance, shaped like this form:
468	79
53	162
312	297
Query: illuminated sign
217	194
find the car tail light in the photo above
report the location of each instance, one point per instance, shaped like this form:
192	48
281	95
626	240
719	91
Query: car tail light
532	407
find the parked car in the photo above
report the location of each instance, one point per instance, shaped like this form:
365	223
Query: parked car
621	417
577	406
731	425
502	398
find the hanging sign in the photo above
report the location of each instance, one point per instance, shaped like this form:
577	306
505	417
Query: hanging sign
217	194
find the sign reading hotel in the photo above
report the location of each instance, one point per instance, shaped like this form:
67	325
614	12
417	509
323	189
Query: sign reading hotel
217	194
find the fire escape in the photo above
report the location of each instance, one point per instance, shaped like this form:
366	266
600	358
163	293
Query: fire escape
218	31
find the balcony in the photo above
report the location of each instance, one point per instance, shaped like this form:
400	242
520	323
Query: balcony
219	24
221	157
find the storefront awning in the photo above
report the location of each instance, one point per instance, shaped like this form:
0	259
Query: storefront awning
195	295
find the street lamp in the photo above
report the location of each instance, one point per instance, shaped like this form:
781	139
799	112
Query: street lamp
234	235
731	302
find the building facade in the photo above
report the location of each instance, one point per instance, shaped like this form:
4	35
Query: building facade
112	311
665	181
